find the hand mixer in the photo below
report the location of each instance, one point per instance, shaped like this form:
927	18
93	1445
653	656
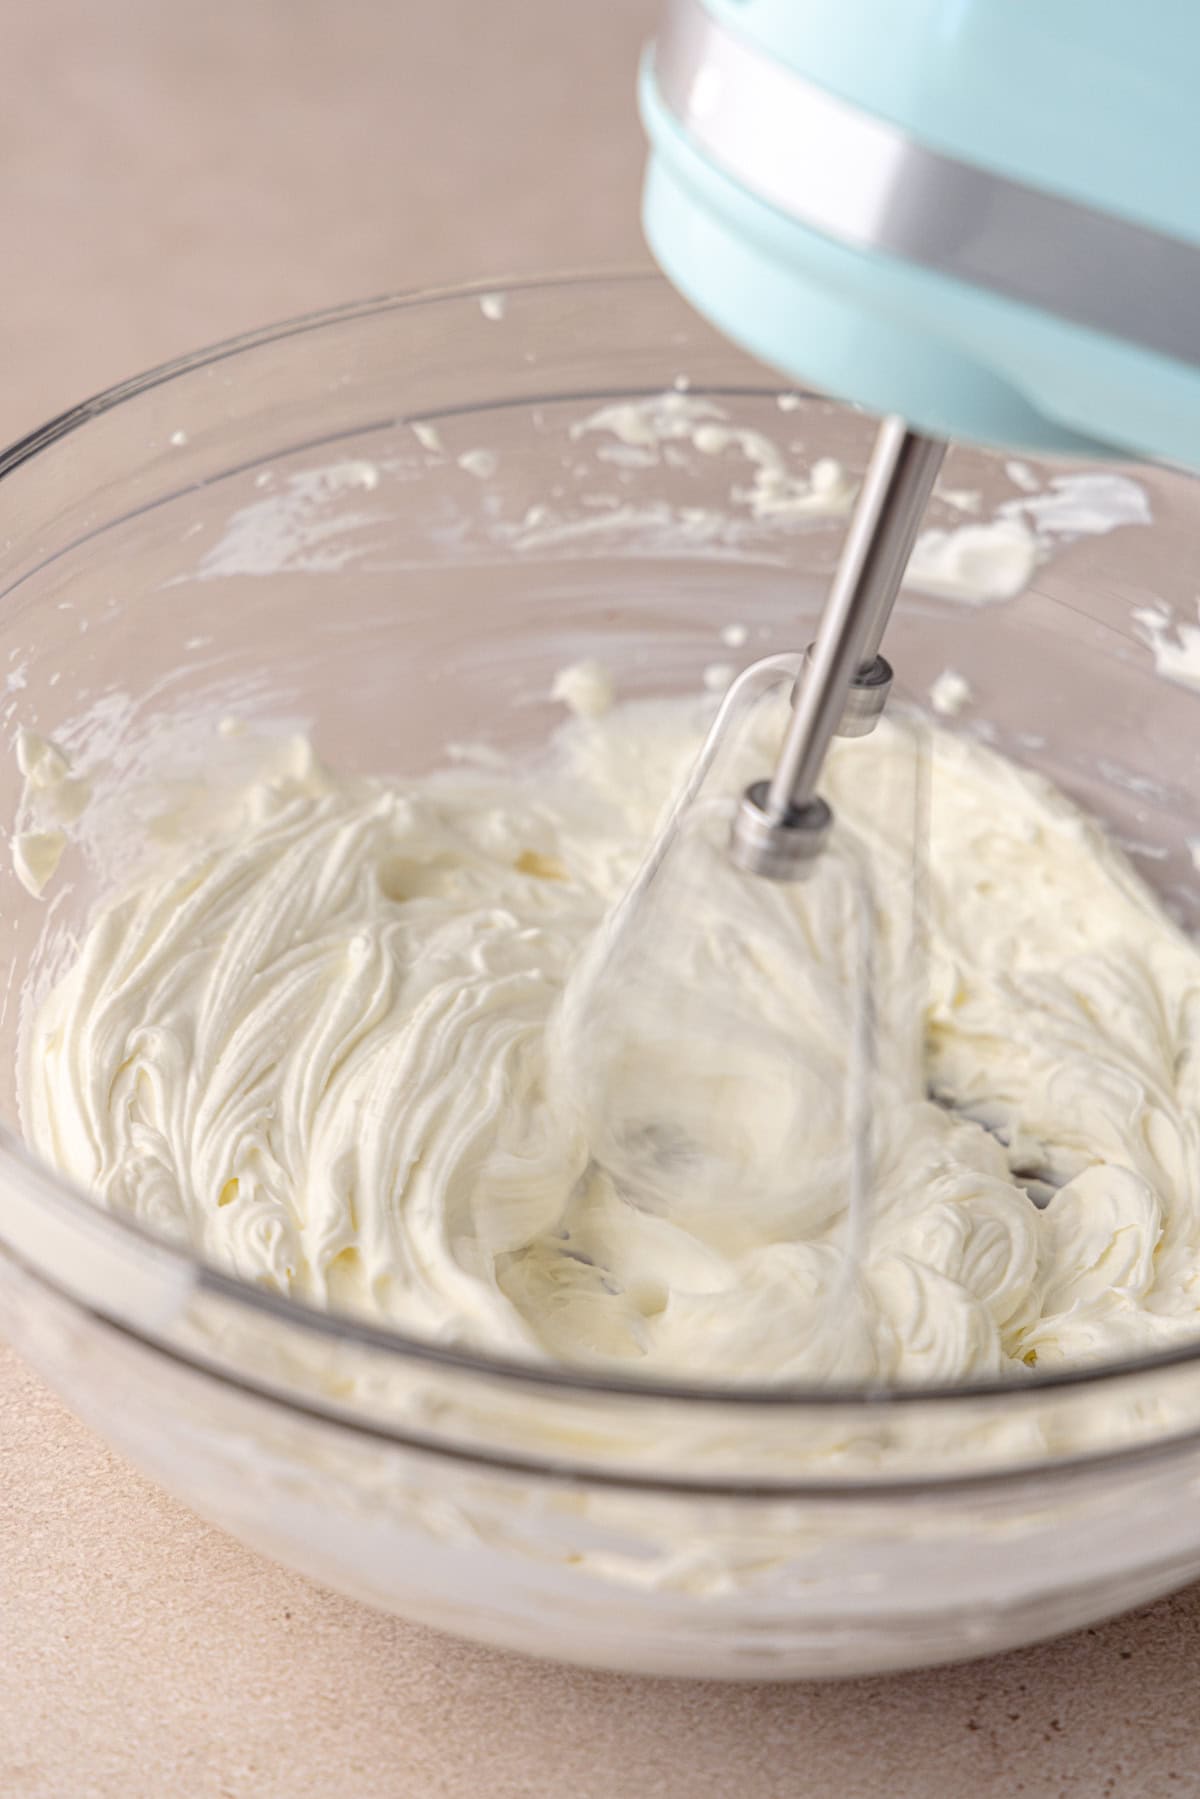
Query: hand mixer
977	221
980	219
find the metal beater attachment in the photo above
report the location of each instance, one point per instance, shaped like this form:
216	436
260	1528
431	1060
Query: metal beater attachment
781	825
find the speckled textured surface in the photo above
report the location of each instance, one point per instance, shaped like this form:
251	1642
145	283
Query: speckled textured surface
170	175
152	1656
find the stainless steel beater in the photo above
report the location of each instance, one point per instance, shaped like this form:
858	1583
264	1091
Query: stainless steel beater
717	1040
781	824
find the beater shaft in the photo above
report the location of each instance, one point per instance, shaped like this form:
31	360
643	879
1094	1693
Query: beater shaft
781	824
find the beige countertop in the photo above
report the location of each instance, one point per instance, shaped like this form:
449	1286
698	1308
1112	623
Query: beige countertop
170	175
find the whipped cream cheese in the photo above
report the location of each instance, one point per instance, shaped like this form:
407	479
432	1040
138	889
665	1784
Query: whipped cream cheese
318	1039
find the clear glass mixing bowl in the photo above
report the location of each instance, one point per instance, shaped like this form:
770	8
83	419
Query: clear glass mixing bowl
260	529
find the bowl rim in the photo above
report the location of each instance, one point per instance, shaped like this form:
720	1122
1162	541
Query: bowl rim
560	1377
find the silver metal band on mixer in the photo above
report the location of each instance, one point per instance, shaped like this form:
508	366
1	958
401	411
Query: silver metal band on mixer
781	824
863	181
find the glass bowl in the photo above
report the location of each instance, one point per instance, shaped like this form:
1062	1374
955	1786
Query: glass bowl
390	526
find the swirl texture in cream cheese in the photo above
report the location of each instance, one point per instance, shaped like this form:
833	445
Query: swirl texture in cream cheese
316	1040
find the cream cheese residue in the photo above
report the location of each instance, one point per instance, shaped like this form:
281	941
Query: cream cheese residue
1174	645
315	1040
585	688
36	856
979	562
975	563
428	436
949	693
996	559
481	463
646	429
52	797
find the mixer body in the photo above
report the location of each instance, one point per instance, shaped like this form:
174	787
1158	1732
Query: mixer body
982	218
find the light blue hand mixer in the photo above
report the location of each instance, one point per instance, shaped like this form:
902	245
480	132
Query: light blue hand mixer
978	218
